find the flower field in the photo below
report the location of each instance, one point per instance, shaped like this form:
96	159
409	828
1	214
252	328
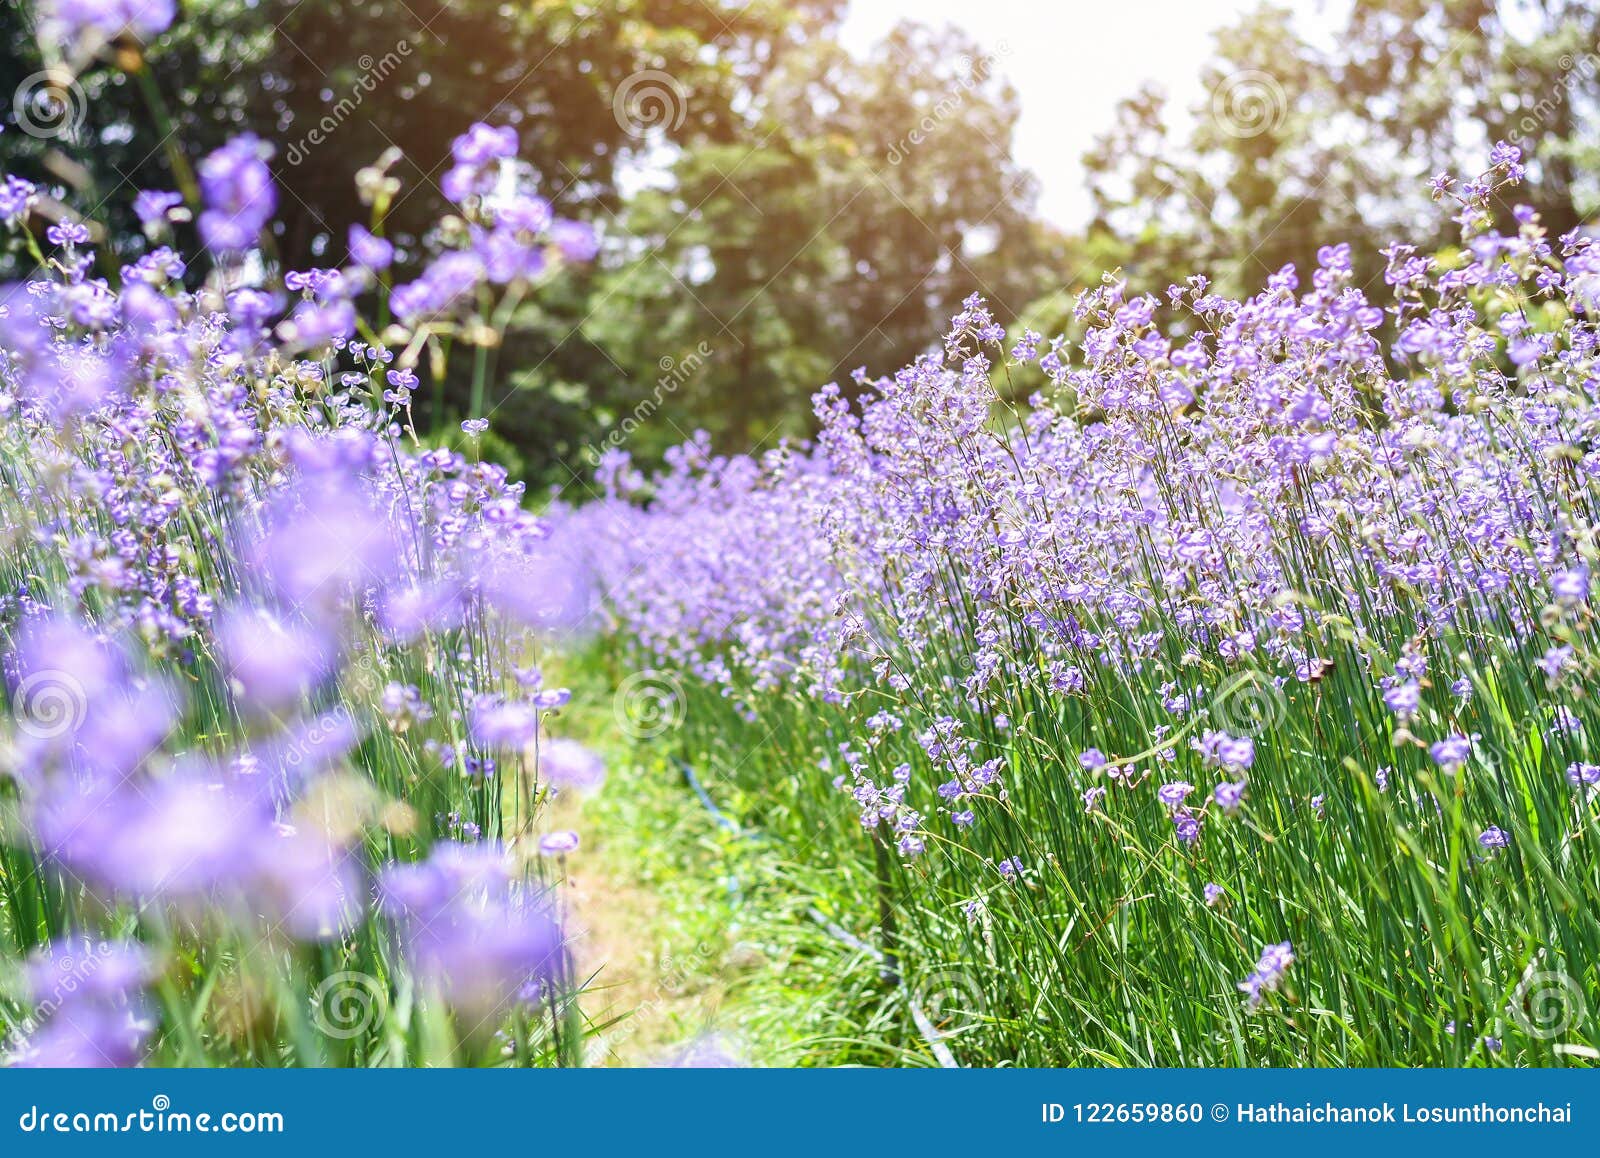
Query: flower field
1229	703
1214	686
275	754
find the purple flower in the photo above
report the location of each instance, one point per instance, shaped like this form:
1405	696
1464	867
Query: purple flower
80	969
1579	774
1236	753
403	706
1214	894
541	588
483	144
87	1035
524	213
1268	974
316	324
558	843
1092	760
272	660
1403	699
1554	661
236	188
1451	752
1187	828
107	19
447	282
324	539
407	611
188	837
1570	588
1229	795
711	1052
16	199
306	886
576	240
1092	797
154	207
1494	837
67	233
478	153
568	764
369	251
475	936
1174	794
498	724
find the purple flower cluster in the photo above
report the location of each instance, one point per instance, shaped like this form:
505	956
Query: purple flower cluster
73	20
474	933
1268	974
512	238
1254	544
88	1000
259	614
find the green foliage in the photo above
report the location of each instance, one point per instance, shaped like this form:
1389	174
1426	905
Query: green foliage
865	200
1297	143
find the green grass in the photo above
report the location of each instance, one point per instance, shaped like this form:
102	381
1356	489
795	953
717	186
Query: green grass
713	932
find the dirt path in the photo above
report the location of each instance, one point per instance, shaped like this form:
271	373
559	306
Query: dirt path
651	931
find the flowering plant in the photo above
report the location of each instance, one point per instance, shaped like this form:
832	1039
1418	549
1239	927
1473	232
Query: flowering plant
263	645
1284	600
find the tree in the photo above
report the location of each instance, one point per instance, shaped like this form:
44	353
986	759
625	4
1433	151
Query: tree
877	194
336	83
1297	146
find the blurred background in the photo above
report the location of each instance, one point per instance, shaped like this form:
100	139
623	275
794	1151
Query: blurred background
789	191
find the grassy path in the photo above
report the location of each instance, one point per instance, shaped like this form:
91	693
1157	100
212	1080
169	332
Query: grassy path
653	928
697	939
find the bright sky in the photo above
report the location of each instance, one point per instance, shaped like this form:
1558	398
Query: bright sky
1071	62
